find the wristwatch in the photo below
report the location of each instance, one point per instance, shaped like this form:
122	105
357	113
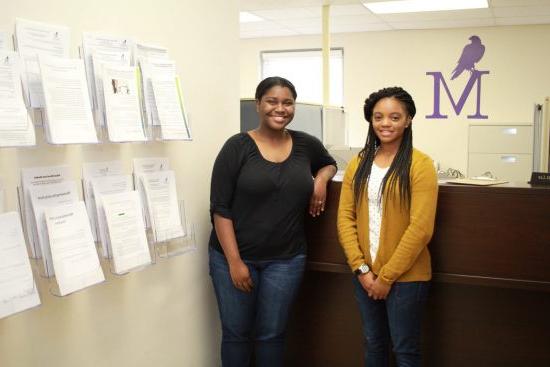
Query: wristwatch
362	269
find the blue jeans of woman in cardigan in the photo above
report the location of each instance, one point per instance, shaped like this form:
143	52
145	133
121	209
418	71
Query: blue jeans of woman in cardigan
397	319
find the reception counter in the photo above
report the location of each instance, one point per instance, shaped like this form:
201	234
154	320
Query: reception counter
489	301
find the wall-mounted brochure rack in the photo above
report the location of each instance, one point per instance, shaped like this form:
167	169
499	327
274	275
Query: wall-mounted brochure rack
75	283
34	248
178	132
173	241
128	248
102	130
24	299
143	260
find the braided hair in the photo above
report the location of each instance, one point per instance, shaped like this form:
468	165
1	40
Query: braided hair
399	170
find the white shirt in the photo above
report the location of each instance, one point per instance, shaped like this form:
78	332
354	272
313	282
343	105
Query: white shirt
375	207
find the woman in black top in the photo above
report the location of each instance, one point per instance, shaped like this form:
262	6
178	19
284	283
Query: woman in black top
263	182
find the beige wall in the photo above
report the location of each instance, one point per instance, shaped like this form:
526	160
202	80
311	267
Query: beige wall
517	58
164	315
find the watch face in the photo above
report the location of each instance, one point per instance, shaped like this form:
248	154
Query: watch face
363	269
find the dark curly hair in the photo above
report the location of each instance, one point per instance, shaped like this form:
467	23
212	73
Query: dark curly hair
399	172
271	82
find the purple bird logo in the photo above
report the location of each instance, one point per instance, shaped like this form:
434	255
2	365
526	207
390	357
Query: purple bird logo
471	54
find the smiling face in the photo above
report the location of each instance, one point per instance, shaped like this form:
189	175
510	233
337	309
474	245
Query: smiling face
276	108
389	121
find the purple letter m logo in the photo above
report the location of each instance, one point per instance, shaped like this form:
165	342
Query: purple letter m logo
475	77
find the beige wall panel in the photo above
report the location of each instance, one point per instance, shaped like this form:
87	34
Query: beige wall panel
164	315
516	57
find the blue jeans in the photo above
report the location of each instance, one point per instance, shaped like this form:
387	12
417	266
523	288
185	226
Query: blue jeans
255	320
397	319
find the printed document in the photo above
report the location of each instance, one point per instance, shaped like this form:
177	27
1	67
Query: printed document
16	128
2	198
89	172
106	186
98	64
5	43
18	290
154	69
126	231
34	39
171	113
74	255
146	51
43	197
68	111
38	176
102	48
162	204
122	107
147	165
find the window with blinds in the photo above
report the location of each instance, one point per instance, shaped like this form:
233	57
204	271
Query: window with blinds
304	68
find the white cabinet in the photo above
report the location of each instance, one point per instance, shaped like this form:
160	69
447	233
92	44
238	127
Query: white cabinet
503	150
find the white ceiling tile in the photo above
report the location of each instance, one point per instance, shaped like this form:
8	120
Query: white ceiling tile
347	28
523	20
248	5
289	13
258	26
449	23
307	30
353	20
268	33
499	3
296	23
345	2
290	17
352	9
437	15
521	11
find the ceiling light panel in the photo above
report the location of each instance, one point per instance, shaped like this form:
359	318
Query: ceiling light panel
415	6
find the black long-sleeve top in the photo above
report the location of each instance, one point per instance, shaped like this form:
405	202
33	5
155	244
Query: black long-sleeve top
266	201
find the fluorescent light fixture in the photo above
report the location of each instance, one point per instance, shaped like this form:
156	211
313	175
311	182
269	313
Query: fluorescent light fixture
415	6
246	17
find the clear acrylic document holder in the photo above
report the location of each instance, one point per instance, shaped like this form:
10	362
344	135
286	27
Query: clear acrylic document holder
54	286
170	242
33	247
112	268
155	131
15	302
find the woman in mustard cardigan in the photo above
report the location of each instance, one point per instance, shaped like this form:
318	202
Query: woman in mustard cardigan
385	221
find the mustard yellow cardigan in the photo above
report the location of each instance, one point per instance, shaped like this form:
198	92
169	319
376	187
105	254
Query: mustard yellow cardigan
404	234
